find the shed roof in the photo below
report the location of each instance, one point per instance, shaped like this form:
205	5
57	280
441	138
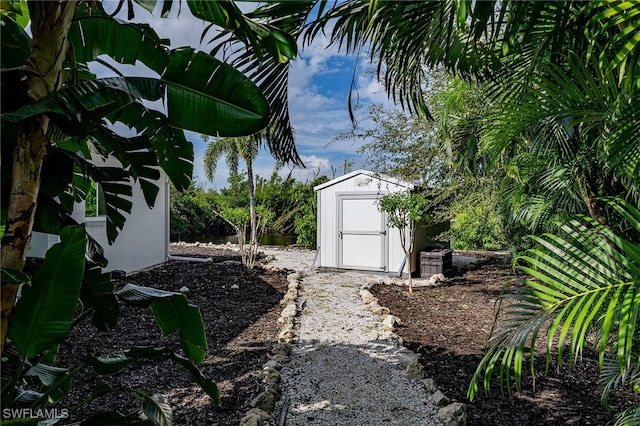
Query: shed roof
373	175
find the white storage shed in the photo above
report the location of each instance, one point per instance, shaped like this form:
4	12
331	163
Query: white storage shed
352	233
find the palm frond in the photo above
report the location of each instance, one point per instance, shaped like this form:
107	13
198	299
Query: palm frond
539	189
620	140
405	39
270	74
216	148
586	277
628	417
611	378
619	24
567	95
260	37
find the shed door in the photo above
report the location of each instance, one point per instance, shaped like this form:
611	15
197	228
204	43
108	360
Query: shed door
362	234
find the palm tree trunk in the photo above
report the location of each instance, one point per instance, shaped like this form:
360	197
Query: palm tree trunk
595	207
50	23
253	242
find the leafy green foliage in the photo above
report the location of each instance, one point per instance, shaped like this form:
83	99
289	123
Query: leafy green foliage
16	54
583	282
554	164
116	362
228	103
292	205
98	298
554	137
444	154
270	73
245	148
156	408
172	313
402	146
49	384
403	211
549	132
202	94
95	34
306	221
475	228
43	316
478	222
192	213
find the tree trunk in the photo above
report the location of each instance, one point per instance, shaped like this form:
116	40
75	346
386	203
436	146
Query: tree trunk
407	247
595	207
253	241
50	23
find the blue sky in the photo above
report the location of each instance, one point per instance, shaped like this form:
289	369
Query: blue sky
318	94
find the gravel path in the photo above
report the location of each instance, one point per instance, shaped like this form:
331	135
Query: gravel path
344	369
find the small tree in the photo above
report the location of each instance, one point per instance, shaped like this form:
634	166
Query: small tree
234	148
403	211
240	219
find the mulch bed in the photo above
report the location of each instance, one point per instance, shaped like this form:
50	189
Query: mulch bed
448	325
241	325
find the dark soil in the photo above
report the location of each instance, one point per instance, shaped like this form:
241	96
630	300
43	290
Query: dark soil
241	325
448	325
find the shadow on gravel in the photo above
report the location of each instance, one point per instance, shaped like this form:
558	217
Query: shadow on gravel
353	385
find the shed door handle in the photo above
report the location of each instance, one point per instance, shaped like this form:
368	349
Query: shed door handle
340	233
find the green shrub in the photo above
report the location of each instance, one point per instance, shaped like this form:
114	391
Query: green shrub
478	227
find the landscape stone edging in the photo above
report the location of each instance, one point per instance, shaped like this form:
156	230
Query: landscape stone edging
449	413
264	404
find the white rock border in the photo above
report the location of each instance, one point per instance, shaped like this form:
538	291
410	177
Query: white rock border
264	404
449	413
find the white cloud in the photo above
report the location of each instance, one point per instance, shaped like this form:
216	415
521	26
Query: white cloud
318	111
315	162
371	90
318	96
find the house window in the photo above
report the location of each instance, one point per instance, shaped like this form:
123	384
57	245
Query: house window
94	203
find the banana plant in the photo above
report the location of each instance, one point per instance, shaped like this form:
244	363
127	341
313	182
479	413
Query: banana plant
583	286
44	315
50	124
56	115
